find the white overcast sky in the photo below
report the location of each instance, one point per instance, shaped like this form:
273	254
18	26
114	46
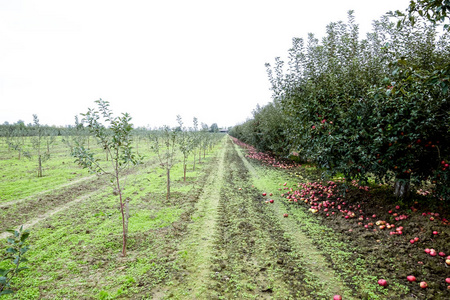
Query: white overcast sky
154	59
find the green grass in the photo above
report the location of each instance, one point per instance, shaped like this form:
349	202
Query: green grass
19	176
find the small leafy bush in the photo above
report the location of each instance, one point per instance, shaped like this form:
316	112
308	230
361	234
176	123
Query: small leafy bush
15	252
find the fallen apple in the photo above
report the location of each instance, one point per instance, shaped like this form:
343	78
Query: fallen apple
423	284
382	282
337	297
411	278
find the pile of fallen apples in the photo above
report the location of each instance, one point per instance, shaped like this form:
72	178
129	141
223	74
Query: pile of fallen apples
327	199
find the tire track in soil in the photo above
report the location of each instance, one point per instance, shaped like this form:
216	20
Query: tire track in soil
196	249
48	214
253	259
315	262
29	213
59	187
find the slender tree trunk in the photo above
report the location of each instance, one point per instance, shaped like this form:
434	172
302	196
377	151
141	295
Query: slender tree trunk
127	217
124	217
168	184
39	166
184	167
193	168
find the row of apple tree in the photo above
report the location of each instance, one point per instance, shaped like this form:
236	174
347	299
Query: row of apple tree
374	107
36	141
101	131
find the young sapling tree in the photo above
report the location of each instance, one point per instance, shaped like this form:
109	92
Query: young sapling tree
195	139
185	144
164	146
38	133
15	252
17	136
116	140
76	137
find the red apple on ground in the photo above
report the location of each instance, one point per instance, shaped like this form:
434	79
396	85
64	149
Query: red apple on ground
285	215
411	278
337	297
264	194
382	282
447	280
423	284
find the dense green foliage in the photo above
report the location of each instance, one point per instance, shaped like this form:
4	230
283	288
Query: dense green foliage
378	106
435	11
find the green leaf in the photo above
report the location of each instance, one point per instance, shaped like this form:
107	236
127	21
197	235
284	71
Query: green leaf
21	269
11	250
24	236
6	292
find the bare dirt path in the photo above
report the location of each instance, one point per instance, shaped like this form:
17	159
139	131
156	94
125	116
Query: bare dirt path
196	250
